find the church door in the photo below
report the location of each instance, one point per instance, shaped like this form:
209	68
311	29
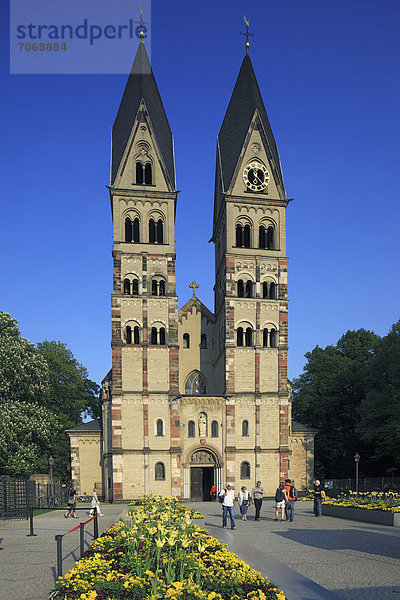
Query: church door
196	484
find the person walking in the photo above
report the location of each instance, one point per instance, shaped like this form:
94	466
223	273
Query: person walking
71	504
317	498
280	501
95	505
213	493
257	498
291	497
244	501
228	505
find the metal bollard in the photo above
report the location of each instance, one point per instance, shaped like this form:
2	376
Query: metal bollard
96	527
82	536
31	534
59	554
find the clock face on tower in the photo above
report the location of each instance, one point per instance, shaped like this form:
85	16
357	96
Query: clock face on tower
256	176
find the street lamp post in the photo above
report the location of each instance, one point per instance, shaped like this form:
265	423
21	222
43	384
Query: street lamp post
357	460
51	463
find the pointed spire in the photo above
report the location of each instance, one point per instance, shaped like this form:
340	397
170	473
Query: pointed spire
141	85
245	100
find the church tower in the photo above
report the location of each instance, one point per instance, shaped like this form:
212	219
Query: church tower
140	421
251	305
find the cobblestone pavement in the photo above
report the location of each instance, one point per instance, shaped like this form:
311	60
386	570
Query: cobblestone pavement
28	564
356	561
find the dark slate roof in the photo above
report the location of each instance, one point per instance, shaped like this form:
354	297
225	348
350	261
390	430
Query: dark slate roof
196	303
141	85
299	428
246	98
91	426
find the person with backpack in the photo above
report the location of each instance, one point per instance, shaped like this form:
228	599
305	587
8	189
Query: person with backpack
290	499
280	501
227	499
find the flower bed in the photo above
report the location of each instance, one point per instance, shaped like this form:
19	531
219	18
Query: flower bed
161	553
382	501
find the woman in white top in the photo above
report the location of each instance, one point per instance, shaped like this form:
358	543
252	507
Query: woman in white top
95	505
244	501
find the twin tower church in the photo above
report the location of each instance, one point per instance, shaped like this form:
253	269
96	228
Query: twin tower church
195	398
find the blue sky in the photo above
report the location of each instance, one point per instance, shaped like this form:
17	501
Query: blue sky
329	76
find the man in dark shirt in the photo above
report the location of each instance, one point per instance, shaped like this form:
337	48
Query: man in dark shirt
290	500
317	498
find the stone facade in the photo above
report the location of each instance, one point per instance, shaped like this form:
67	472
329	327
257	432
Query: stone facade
194	397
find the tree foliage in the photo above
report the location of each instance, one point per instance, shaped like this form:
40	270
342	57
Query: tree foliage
350	394
43	391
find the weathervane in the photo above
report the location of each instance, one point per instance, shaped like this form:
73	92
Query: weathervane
141	23
247	34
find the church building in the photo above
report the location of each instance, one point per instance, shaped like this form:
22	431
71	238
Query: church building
195	397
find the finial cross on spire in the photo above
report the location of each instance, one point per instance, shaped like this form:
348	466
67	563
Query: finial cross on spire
247	34
141	23
194	286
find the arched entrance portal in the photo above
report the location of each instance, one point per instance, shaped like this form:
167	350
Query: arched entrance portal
203	475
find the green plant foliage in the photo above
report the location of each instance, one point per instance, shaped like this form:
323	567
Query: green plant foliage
350	394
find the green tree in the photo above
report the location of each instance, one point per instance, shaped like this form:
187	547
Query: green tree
23	370
380	409
70	391
328	396
28	434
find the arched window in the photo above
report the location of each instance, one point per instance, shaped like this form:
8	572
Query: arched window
136	336
162	336
161	288
265	289
272	290
261	237
139	173
214	429
148	176
249	289
273	338
195	384
249	336
127	287
154	287
203	342
153	337
270	238
128	230
239	235
135	232
239	336
135	287
245	428
265	337
152	231
128	334
246	236
240	288
191	428
159	471
186	340
245	470
160	232
160	427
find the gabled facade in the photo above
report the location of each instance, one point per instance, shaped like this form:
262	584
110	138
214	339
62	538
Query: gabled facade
195	398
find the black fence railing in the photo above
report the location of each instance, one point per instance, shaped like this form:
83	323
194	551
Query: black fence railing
17	496
365	484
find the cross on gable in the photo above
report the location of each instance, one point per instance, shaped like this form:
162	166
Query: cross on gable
194	286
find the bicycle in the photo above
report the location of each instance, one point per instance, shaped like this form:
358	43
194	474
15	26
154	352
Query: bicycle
52	502
83	498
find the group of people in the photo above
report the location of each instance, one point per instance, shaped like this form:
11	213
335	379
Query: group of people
285	498
94	506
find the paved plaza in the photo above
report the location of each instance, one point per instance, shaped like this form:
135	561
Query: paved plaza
355	561
346	559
